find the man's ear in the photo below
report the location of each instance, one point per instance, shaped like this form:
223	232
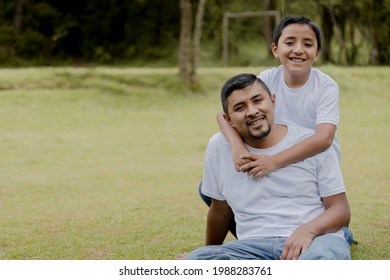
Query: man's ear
227	119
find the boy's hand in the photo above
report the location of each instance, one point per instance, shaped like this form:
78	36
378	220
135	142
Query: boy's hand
238	160
257	165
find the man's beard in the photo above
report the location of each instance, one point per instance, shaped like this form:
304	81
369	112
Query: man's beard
261	134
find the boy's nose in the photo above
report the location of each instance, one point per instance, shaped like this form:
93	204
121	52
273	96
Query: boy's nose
298	48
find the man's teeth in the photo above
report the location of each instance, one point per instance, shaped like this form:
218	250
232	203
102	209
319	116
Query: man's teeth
254	122
297	59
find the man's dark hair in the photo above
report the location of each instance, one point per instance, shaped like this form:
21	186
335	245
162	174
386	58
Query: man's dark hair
301	20
238	82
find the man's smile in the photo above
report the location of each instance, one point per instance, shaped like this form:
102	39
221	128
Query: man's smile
256	121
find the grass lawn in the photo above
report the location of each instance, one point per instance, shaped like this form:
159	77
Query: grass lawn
104	163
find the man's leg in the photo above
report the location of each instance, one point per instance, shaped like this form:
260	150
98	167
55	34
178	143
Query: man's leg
327	247
249	249
348	235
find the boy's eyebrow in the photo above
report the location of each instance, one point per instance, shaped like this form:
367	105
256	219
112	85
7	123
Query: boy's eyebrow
294	37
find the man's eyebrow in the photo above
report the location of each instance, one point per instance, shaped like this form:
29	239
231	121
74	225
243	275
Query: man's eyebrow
238	104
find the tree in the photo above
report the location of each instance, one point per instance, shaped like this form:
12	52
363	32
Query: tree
190	40
18	18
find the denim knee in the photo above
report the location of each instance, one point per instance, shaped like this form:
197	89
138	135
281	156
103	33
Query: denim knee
212	252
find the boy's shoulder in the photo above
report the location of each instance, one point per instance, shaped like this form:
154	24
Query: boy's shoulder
319	74
272	71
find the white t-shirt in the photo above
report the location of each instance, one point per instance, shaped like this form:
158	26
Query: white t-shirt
316	102
276	204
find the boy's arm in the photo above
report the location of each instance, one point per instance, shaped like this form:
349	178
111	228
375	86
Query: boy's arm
336	215
237	145
219	220
322	139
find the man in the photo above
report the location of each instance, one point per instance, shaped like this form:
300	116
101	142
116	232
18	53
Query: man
295	212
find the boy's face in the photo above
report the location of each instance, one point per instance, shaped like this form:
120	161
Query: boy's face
297	48
251	112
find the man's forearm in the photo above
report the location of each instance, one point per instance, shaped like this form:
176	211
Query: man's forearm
219	220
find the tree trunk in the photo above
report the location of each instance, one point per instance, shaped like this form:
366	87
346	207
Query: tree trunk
185	38
18	18
190	41
327	28
196	40
269	25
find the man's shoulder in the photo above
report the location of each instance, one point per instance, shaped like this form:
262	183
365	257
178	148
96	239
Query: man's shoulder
218	139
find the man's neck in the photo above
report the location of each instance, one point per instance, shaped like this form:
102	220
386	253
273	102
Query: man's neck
278	132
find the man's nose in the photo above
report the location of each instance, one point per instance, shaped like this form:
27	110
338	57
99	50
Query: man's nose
252	110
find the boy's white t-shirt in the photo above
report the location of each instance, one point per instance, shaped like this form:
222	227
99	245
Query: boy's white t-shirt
316	102
276	204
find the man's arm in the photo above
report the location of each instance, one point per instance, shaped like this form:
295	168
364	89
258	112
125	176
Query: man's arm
336	215
219	219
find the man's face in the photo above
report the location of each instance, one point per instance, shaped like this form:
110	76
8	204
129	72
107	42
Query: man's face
251	112
297	48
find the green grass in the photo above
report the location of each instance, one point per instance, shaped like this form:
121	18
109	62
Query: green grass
104	163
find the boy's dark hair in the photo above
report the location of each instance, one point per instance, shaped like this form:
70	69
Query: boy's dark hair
238	82
301	20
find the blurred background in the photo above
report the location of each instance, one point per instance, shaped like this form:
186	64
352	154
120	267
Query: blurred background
147	32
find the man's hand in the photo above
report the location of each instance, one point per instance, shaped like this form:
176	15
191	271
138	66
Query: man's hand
258	165
297	243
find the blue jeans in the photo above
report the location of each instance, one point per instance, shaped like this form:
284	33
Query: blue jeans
324	247
347	232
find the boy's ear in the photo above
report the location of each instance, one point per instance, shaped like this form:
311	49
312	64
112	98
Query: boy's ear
274	49
317	55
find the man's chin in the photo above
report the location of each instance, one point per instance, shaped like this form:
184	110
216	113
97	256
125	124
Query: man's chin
260	134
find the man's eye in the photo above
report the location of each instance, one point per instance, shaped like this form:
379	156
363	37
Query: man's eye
239	108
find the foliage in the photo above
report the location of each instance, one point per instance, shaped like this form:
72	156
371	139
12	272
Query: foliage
108	32
104	163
